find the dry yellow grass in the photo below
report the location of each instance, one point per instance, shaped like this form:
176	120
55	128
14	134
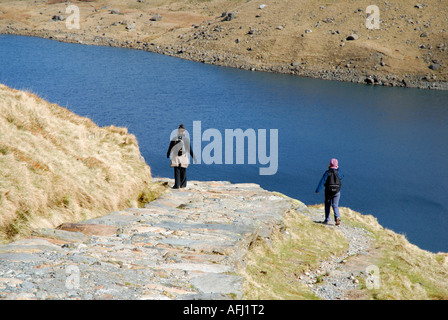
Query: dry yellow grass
57	167
406	271
273	267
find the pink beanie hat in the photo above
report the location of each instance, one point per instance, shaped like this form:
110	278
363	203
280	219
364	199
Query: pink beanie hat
334	164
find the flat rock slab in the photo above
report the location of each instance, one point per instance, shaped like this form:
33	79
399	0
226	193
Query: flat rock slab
219	283
188	244
65	236
89	229
29	246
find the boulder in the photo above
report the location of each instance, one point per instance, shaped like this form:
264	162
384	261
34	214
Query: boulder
230	16
58	18
130	26
369	80
156	17
435	66
353	36
252	30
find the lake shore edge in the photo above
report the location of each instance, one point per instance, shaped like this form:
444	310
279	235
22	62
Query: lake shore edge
232	60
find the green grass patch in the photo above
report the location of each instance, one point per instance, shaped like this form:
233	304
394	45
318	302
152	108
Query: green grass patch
274	265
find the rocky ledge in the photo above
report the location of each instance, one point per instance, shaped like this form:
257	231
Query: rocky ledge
188	244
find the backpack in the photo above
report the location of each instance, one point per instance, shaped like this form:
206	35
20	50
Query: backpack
179	145
333	183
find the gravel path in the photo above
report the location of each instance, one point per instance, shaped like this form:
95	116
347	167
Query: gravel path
332	280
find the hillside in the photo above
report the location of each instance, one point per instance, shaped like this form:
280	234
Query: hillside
298	37
57	167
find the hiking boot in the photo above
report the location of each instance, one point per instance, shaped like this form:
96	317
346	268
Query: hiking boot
338	221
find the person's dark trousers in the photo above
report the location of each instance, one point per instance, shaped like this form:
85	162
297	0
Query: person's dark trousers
180	177
332	201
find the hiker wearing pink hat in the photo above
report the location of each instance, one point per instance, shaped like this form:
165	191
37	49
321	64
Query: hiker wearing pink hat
332	182
333	164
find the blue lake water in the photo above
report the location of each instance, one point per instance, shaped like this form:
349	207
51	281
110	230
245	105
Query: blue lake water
391	142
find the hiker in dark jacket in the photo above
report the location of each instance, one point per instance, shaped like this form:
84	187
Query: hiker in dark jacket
332	194
180	148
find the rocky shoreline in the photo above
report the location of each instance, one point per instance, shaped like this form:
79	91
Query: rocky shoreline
186	50
188	244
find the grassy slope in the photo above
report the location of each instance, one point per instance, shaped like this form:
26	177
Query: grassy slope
56	166
273	267
406	271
